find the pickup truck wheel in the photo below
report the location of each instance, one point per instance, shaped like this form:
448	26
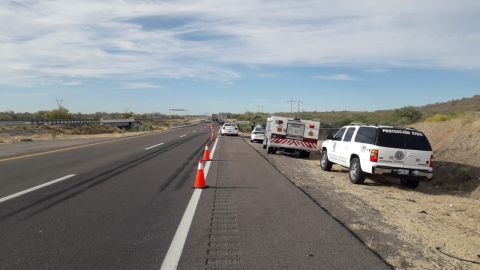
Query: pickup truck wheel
410	183
325	164
270	150
355	173
264	144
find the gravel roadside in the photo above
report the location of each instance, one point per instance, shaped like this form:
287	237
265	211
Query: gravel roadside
410	229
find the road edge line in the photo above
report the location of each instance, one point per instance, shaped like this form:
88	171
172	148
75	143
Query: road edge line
344	225
85	145
172	258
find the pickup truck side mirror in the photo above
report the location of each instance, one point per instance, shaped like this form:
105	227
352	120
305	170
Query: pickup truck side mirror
329	137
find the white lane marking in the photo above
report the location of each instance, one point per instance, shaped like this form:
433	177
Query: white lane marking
153	146
183	135
194	131
35	188
176	247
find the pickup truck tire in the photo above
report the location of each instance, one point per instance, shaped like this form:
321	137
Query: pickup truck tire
325	164
409	183
355	173
270	150
264	144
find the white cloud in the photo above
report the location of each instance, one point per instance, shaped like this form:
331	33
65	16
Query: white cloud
336	77
141	85
377	70
268	75
43	42
72	83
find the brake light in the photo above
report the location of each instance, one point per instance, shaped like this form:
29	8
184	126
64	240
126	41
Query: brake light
279	129
312	125
374	155
430	164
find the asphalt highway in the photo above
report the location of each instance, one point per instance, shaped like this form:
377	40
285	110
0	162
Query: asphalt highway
119	211
118	205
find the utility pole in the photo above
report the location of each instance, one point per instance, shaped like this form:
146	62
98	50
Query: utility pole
59	102
298	102
291	101
299	105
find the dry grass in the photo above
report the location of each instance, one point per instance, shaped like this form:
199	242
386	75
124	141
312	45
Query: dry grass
406	227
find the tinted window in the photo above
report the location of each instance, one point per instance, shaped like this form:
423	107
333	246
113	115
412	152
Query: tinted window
400	138
393	138
418	141
339	134
366	135
349	134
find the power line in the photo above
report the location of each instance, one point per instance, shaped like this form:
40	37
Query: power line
259	108
59	102
297	102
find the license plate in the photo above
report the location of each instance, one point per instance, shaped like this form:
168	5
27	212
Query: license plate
403	171
295	131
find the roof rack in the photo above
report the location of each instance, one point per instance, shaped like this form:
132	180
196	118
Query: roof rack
363	124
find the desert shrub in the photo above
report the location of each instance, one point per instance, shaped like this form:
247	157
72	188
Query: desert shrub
438	118
407	115
60	113
145	127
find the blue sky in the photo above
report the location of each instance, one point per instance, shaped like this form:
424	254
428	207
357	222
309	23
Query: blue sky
206	56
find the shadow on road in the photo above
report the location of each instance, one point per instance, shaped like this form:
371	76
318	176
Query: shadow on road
84	185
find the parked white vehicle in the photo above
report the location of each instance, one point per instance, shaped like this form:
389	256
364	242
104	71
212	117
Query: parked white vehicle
291	135
257	135
368	149
229	129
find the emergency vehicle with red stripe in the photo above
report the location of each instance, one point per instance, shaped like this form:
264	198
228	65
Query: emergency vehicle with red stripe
291	135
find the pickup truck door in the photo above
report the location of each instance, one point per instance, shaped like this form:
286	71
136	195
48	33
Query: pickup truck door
336	151
347	145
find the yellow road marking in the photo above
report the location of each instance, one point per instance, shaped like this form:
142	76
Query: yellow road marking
78	147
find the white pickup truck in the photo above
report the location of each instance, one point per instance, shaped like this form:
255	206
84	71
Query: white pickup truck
369	149
291	135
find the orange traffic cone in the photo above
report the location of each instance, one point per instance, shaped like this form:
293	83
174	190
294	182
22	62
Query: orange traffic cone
206	154
200	177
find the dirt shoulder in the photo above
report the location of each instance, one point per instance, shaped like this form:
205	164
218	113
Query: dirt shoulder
408	228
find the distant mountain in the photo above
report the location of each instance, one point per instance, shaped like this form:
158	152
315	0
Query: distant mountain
398	117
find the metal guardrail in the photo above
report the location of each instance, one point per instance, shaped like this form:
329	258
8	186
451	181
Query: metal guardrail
13	123
64	122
